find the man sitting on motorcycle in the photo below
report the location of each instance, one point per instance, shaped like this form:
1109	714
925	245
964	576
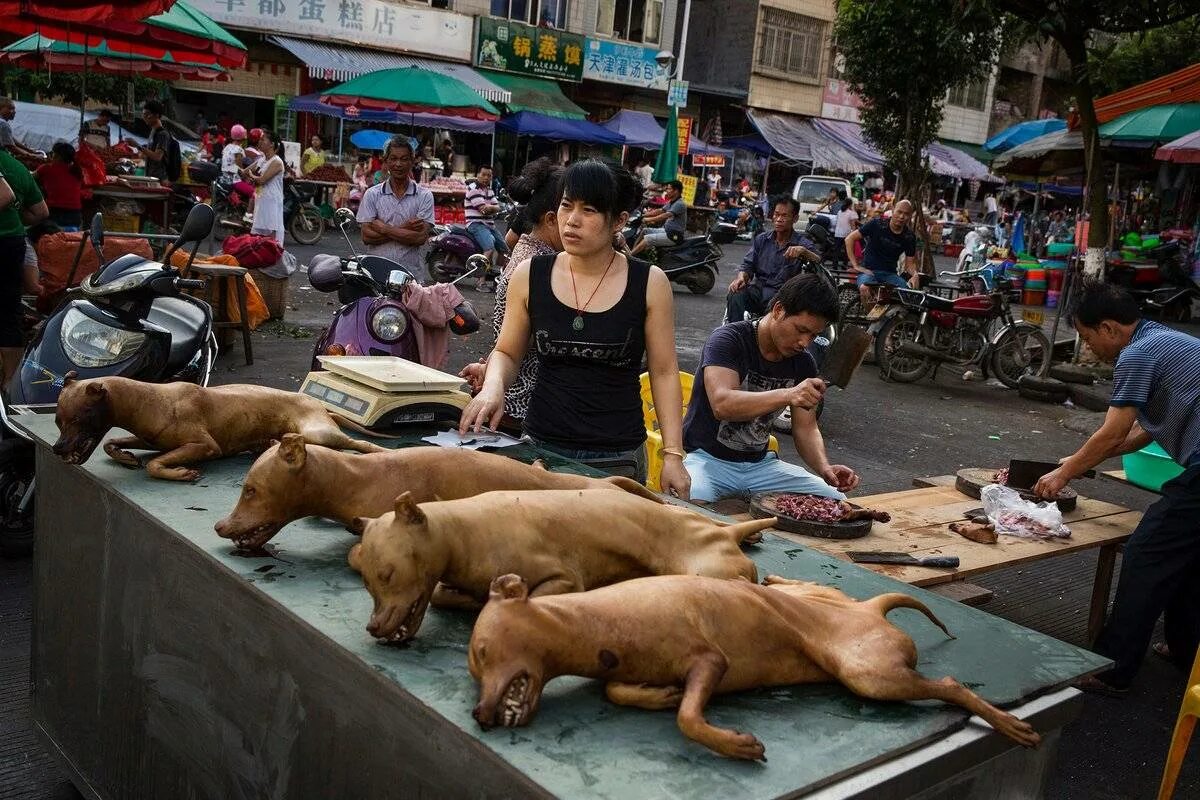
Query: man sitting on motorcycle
750	371
884	241
773	258
481	212
672	218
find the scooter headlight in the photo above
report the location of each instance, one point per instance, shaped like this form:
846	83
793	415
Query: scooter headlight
89	343
389	324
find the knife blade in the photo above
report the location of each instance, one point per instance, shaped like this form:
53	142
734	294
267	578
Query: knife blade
844	356
907	559
1024	474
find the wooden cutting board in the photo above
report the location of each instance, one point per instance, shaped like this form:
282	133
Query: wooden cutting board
970	481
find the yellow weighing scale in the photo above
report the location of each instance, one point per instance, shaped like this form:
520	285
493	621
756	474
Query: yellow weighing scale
384	391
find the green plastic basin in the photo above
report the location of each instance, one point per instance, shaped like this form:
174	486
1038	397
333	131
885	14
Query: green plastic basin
1150	467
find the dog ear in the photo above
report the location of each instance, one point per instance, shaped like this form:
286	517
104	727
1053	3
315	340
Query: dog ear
408	511
292	450
509	587
357	526
96	390
355	558
70	377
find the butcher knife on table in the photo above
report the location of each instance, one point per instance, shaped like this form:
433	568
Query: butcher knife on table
1025	474
904	559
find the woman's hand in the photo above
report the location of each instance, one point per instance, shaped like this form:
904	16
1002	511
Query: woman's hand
674	478
485	410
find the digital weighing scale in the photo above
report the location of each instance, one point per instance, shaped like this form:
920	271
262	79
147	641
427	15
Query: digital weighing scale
384	391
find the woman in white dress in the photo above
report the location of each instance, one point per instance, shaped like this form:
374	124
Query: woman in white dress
268	194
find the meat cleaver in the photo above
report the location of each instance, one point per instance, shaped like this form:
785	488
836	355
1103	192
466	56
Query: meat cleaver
906	559
1025	474
844	356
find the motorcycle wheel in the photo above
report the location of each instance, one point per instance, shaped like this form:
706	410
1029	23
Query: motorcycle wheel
1021	351
16	473
307	226
699	281
899	367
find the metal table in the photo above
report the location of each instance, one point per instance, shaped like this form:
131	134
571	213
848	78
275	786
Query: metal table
165	666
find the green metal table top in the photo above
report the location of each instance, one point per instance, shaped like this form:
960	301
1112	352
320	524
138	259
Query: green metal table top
580	745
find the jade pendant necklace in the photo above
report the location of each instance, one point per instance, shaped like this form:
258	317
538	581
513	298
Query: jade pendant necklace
577	323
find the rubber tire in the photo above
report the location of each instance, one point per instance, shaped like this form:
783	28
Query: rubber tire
1047	357
296	226
699	281
882	357
16	466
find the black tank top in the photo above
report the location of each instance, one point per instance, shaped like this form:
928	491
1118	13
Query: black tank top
587	393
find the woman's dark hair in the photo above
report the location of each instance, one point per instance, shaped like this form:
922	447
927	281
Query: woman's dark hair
604	184
1098	301
537	190
66	154
808	293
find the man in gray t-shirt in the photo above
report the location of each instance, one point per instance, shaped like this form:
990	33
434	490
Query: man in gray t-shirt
672	218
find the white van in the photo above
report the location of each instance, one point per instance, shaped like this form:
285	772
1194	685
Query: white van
811	192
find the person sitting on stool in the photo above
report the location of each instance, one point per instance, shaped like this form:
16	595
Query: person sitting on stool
773	258
672	218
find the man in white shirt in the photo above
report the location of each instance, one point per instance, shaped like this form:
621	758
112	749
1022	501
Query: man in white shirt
397	214
847	221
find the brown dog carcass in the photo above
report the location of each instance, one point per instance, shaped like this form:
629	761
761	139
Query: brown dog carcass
673	642
187	423
561	540
293	480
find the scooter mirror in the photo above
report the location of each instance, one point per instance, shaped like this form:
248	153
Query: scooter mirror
343	216
197	226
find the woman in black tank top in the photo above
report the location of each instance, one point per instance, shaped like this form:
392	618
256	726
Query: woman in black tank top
591	314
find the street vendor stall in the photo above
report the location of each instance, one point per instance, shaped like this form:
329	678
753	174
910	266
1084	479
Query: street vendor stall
164	666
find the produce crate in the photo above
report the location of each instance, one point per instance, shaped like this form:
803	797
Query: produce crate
274	292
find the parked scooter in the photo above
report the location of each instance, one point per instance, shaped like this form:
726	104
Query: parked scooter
693	263
1168	292
130	318
373	320
451	247
301	217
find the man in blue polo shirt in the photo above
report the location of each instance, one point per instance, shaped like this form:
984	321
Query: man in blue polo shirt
1155	397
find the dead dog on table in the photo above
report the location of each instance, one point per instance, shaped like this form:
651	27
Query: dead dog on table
447	553
294	479
187	423
675	641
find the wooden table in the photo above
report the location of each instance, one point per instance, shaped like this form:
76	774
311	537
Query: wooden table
920	525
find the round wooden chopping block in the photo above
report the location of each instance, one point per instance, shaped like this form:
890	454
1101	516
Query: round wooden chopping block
970	481
763	505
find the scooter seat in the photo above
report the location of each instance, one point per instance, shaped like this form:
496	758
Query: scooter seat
185	322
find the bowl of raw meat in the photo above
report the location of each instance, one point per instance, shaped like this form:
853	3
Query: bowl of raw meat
812	515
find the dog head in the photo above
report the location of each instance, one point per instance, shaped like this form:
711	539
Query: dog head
84	416
396	564
504	656
273	494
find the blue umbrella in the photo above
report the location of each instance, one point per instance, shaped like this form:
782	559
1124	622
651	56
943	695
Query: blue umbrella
1023	132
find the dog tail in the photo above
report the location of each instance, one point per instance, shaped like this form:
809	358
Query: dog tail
633	487
886	602
351	425
750	531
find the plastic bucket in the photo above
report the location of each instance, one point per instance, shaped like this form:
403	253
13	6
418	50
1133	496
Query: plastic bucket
1150	467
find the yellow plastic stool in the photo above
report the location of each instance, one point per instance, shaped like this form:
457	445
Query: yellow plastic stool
1189	710
654	442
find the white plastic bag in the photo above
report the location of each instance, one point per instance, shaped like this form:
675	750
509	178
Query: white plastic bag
1012	514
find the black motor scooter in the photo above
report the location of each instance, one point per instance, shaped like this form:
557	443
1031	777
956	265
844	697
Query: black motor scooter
130	318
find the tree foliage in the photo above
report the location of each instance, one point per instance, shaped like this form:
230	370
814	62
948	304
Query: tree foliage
1133	58
110	90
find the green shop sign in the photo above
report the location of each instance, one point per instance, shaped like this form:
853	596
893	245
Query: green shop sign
515	47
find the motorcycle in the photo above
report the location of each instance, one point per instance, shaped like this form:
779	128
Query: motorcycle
693	263
1168	291
451	246
130	318
924	331
373	320
301	217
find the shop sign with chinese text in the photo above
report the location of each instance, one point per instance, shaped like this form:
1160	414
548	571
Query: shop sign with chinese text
515	47
626	64
375	23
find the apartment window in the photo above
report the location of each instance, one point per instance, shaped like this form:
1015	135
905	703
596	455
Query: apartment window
631	20
970	95
791	43
543	13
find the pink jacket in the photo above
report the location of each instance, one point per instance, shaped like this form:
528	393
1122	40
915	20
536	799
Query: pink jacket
432	307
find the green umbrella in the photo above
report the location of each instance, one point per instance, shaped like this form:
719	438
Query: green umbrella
666	165
1154	123
411	90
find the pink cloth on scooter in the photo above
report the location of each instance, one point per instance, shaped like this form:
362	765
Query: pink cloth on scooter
432	307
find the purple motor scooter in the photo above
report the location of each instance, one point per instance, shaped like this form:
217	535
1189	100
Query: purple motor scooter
373	320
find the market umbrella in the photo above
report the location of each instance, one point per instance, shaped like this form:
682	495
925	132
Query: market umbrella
1154	123
1022	132
666	165
1184	150
37	52
411	90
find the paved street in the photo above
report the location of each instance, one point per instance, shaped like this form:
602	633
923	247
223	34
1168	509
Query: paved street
889	433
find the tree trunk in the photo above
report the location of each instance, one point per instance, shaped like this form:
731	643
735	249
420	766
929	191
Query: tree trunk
1097	185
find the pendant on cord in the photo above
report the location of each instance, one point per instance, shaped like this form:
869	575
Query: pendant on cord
577	324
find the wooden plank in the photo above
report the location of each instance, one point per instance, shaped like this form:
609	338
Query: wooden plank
962	592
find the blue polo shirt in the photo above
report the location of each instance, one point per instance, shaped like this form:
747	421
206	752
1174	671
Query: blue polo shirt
1158	373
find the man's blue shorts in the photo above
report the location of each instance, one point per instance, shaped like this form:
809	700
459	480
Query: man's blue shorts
884	277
